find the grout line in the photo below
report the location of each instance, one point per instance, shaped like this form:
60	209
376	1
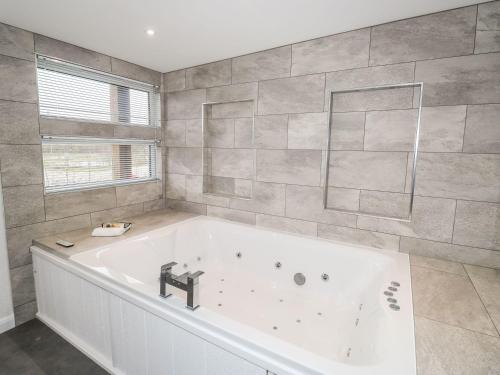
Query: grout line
497	329
475	30
453	222
465	126
456	326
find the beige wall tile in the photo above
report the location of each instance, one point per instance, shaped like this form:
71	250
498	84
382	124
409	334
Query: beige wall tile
439	228
437	264
368	170
52	126
196	208
18	123
306	202
23	205
23	285
17	80
292	95
308	131
373	100
432	36
175	133
442	129
347	131
456	253
301	167
473	79
270	131
21	165
230	93
460	176
273	63
25	312
337	52
267	198
184	160
382	203
209	75
308	228
343	199
477	224
16	42
136	132
175	81
230	214
185	104
136	72
487	284
69	52
237	163
59	205
391	130
358	236
193	133
488	28
118	213
176	186
138	193
219	133
482	130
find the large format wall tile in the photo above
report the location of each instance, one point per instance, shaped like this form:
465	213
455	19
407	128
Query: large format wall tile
175	186
61	205
193	207
477	224
17	80
236	163
391	130
482	131
16	42
244	91
308	131
26	312
432	219
21	165
347	131
184	160
306	202
185	104
69	52
488	28
23	205
19	238
219	133
384	171
208	75
442	129
343	199
473	79
100	217
271	131
136	193
444	349
174	133
288	225
448	251
230	214
267	198
460	176
384	204
437	265
301	167
175	81
61	127
358	236
23	284
18	123
444	34
292	95
337	52
136	72
273	63
450	299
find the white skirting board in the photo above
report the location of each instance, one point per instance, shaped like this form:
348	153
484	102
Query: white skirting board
6	323
122	337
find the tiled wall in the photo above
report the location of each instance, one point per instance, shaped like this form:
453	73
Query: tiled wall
456	54
28	212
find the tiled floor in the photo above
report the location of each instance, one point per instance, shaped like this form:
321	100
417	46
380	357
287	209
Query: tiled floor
457	321
34	349
457	318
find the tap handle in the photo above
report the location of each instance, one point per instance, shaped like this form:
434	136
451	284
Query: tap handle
167	267
195	275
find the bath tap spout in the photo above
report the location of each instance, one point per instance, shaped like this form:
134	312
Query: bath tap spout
187	281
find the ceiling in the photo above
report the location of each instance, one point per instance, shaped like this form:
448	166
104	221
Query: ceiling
194	32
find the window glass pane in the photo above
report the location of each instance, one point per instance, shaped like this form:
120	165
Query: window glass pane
78	165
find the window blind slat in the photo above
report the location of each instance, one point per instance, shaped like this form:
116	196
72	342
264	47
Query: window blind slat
76	163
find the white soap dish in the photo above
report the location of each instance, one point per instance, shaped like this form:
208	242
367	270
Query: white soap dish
111	229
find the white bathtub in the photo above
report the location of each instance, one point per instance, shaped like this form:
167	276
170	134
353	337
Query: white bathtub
253	310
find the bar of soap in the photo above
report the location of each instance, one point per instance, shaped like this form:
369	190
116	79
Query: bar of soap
111	229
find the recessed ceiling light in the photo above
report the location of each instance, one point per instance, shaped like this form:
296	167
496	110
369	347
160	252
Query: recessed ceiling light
150	32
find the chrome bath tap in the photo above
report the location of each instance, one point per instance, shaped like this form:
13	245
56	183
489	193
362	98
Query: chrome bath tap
187	281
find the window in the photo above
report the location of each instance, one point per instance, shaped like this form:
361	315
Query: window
79	163
71	91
